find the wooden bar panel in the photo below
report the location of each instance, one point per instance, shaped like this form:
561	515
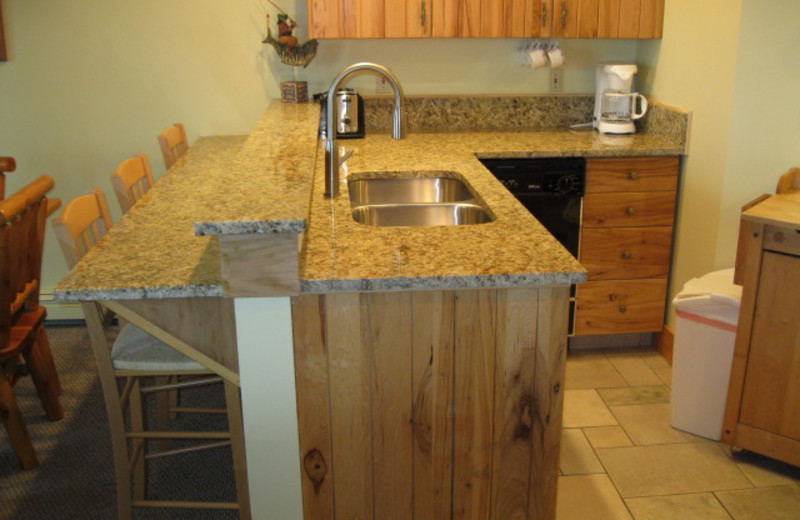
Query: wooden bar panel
515	374
626	253
475	326
433	353
551	359
311	375
260	265
390	330
350	366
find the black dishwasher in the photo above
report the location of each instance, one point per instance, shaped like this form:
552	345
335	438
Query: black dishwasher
550	188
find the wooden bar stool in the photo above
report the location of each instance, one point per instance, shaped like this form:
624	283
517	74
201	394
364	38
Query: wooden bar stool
22	224
144	365
173	143
131	180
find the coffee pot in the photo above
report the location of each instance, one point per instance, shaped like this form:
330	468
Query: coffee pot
615	104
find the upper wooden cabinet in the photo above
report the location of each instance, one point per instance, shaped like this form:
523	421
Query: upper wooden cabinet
485	18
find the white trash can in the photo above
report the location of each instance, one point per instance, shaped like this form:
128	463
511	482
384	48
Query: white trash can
707	312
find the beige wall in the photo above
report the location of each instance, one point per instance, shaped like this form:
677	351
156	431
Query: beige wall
740	74
91	82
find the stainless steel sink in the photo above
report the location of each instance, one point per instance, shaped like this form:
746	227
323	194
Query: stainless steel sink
431	214
408	190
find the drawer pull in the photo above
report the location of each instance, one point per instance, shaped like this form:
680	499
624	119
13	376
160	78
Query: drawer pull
633	176
631	210
627	255
623	309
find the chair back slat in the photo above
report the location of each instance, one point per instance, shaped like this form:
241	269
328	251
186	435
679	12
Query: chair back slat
173	143
131	180
22	220
82	224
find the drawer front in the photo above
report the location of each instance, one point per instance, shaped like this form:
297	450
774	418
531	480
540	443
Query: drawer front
629	209
625	253
632	174
616	307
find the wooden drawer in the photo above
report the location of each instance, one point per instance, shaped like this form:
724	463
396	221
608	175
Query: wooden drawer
624	253
632	174
620	306
629	209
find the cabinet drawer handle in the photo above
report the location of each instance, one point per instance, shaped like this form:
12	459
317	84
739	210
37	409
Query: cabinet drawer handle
623	309
544	14
633	176
631	210
563	13
422	15
627	255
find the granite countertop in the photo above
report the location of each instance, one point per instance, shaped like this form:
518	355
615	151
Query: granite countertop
266	183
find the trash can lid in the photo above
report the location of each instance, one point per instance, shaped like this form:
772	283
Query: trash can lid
713	296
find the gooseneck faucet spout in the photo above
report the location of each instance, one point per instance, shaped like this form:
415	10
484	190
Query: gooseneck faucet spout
332	160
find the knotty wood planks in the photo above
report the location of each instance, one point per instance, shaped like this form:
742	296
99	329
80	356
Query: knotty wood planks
430	404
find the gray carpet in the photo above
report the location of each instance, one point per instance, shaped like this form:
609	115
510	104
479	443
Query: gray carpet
75	478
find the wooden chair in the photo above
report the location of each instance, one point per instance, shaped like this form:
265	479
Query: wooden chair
173	143
131	180
22	224
145	366
7	164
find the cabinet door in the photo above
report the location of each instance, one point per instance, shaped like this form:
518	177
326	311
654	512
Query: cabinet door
626	253
632	174
620	306
408	18
629	209
771	397
640	19
346	19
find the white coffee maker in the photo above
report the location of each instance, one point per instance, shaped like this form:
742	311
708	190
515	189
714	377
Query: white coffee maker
615	105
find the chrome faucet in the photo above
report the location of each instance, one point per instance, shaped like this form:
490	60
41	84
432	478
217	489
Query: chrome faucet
332	160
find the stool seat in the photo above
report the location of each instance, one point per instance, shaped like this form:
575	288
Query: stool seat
135	349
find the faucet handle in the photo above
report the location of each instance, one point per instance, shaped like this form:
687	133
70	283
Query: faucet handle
347	155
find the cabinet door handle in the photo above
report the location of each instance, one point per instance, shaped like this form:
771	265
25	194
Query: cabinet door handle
563	13
633	176
544	14
422	15
623	309
631	210
627	255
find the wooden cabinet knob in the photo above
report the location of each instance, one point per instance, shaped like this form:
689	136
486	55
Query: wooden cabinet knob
627	255
631	210
633	176
623	309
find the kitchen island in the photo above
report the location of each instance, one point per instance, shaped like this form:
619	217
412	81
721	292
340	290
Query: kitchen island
421	367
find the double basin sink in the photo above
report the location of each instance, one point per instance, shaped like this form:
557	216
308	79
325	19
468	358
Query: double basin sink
415	201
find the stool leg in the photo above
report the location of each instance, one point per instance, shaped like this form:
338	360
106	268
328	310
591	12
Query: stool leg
233	401
12	419
138	414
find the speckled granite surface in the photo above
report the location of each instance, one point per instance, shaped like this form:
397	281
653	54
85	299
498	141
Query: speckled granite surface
226	185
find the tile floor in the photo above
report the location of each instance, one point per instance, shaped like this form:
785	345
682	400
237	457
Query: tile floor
621	460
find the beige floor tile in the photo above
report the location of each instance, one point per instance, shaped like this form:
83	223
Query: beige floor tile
589	497
668	469
655	360
591	371
772	503
585	408
607	437
635	395
649	424
665	375
700	506
634	370
577	455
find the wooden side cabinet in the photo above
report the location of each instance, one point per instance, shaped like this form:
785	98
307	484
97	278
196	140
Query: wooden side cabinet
626	244
763	406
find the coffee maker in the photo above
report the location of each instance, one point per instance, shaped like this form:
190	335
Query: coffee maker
615	105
